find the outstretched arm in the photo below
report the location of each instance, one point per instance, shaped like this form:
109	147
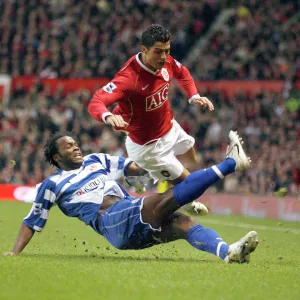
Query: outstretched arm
37	217
25	235
184	78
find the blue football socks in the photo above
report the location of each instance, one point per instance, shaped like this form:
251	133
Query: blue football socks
198	182
206	239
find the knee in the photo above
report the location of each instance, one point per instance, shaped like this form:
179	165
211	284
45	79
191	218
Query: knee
185	223
190	222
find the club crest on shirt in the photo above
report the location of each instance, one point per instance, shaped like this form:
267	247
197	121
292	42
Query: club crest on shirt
165	74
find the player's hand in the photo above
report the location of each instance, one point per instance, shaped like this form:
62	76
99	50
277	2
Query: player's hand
116	121
204	103
138	182
9	253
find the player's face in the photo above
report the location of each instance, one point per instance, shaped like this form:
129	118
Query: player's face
69	156
156	55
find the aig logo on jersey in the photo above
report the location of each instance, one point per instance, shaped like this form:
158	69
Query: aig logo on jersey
165	74
156	100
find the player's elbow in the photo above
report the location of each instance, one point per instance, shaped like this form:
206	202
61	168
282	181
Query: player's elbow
92	107
97	107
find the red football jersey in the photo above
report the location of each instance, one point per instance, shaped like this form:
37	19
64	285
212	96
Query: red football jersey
142	97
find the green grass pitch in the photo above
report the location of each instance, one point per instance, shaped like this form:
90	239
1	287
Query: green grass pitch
68	260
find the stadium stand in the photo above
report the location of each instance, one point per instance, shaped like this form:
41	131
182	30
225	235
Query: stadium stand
91	38
260	41
71	39
264	121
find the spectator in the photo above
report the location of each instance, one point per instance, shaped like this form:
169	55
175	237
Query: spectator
79	38
260	41
32	116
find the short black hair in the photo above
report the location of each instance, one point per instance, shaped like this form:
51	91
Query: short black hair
155	33
50	148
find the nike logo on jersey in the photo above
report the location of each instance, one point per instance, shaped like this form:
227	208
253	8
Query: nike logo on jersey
144	87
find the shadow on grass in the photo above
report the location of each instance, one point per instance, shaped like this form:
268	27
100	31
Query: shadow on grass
117	257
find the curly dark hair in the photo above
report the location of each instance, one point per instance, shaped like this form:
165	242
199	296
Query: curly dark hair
155	33
50	148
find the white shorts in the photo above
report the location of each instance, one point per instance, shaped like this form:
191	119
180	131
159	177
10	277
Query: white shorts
158	157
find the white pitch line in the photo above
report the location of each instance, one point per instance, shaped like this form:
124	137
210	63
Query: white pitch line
250	226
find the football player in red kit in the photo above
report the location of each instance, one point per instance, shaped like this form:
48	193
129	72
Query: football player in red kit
155	141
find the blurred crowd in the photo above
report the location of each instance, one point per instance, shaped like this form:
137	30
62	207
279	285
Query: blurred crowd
260	41
271	134
74	38
82	39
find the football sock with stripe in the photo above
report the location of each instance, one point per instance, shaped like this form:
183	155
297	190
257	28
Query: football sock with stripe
198	182
206	239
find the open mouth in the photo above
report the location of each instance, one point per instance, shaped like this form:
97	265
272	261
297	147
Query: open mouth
78	155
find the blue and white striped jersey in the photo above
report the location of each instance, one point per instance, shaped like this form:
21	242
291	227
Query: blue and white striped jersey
79	193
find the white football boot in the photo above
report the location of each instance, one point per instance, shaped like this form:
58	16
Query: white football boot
236	152
200	208
239	252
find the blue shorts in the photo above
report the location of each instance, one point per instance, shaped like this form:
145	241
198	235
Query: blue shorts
121	224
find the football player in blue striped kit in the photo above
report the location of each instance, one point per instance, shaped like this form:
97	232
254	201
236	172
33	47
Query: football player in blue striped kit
86	188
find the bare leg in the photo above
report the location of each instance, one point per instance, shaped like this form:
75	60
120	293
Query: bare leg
175	228
179	226
188	159
158	210
181	178
159	206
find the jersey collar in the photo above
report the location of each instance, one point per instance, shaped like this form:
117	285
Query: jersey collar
143	66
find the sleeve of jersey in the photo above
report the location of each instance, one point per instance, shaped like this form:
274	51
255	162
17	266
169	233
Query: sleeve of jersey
185	79
115	165
113	92
38	215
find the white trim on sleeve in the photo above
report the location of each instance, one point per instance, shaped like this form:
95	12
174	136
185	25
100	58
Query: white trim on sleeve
193	97
104	115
